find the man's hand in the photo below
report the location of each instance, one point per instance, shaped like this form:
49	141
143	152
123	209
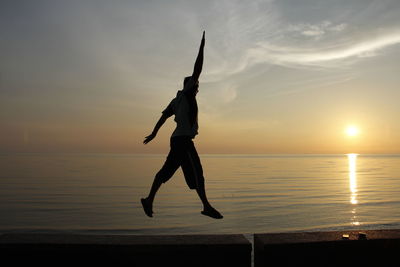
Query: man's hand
149	138
198	64
153	134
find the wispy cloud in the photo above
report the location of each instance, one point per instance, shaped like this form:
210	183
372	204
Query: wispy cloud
331	54
263	35
316	30
266	52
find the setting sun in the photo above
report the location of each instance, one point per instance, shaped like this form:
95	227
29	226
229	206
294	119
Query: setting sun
352	130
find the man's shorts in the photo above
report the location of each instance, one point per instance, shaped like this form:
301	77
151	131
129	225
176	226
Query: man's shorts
183	154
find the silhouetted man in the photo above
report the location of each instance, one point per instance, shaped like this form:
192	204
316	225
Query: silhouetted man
183	152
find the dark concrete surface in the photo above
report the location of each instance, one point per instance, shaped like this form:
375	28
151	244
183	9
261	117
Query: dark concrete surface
360	248
125	250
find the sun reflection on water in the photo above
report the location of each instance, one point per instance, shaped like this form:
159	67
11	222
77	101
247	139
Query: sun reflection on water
353	186
353	177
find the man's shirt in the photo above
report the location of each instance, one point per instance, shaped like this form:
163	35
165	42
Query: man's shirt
182	106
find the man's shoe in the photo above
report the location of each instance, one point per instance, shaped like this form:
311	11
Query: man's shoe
213	213
146	207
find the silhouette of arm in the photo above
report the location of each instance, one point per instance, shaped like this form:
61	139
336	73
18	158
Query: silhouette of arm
160	123
198	65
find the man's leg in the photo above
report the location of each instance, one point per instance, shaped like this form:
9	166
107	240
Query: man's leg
208	210
154	188
194	177
166	172
201	191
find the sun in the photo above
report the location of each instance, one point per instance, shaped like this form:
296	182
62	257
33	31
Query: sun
352	130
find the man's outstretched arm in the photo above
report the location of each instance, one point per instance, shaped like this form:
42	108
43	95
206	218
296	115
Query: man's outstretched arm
160	123
198	65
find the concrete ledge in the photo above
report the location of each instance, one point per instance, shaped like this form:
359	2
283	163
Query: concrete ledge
132	250
371	248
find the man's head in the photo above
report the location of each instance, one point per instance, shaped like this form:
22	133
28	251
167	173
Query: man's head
196	85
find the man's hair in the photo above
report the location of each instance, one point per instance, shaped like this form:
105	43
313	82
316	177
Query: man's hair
186	80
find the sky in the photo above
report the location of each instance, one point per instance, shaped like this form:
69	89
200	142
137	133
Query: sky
279	76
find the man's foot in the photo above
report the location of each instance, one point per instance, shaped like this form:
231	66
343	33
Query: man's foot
213	213
146	207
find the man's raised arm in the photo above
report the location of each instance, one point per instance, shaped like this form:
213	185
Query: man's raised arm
198	65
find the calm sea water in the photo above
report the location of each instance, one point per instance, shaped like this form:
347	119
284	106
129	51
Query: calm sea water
100	193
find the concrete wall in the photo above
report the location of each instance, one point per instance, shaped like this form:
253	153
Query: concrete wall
374	248
338	248
128	250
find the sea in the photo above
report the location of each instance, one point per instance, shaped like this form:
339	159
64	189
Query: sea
100	194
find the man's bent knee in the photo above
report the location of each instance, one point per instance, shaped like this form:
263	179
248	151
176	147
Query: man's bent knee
197	184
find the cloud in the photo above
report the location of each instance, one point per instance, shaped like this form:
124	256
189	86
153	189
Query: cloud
335	53
268	33
338	28
280	55
316	30
228	94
